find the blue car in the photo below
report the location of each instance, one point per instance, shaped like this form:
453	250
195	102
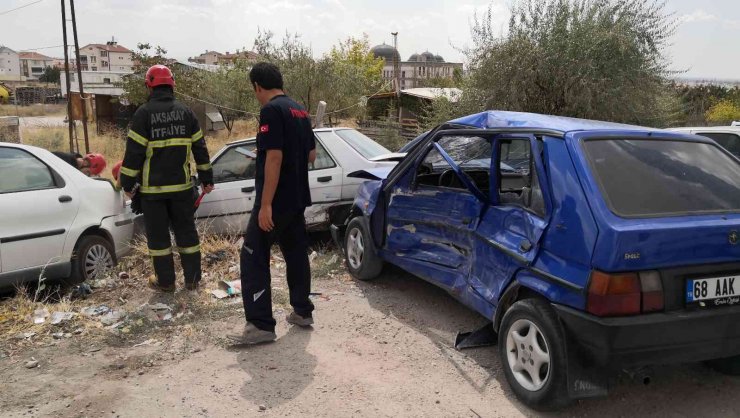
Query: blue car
591	247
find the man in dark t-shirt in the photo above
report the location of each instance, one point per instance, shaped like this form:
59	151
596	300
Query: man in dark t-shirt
285	148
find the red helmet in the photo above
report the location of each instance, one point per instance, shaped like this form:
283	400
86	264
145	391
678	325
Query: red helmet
159	75
117	170
97	163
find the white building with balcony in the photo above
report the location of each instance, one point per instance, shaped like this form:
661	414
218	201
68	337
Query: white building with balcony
106	57
34	64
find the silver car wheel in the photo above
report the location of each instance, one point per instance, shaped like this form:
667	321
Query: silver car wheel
528	356
355	248
98	261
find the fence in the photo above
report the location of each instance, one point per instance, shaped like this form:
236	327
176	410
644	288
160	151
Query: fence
390	133
10	129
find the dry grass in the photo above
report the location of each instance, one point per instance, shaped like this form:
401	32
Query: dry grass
128	294
112	145
220	262
33	110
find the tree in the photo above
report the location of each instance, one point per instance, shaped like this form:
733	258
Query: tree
230	88
341	77
301	72
724	112
600	59
133	84
353	71
51	75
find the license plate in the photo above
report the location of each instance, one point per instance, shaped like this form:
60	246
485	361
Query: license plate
714	291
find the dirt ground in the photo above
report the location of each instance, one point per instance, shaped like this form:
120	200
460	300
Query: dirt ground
381	348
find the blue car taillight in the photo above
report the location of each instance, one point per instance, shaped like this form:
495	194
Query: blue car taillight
621	294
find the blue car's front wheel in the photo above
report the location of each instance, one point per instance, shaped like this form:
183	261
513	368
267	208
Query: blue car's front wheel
362	261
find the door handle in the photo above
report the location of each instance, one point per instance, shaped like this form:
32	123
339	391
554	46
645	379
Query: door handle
525	246
247	189
324	179
65	199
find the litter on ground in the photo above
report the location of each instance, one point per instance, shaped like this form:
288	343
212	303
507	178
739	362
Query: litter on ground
59	317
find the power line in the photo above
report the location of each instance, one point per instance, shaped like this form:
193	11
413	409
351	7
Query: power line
42	47
216	105
360	103
20	7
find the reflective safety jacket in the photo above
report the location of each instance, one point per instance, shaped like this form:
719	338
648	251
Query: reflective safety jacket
164	133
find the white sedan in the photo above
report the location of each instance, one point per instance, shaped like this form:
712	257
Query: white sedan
339	152
56	222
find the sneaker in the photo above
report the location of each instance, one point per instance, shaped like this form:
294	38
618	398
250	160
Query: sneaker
191	286
154	284
252	335
301	321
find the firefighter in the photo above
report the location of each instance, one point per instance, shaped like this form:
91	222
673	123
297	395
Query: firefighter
90	164
163	134
285	147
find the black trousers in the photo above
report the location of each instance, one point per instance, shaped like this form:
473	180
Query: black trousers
290	233
177	212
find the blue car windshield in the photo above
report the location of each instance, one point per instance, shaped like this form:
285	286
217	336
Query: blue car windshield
649	178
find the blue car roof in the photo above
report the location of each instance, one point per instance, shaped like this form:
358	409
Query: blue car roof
505	119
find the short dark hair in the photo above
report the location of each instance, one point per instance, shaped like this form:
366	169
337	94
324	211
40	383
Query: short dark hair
266	75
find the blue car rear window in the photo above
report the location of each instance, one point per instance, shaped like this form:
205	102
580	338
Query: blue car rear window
649	178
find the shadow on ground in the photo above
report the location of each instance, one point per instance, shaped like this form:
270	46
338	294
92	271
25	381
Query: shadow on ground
269	383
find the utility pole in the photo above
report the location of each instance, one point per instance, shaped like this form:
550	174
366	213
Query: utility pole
79	76
70	122
396	64
397	73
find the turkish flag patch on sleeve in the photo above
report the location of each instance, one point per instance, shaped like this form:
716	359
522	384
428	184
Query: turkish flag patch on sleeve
264	129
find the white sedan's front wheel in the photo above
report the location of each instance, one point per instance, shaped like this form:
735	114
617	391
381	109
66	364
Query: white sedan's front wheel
93	258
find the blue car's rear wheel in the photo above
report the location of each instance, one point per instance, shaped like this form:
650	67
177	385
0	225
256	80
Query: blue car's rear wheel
532	350
362	261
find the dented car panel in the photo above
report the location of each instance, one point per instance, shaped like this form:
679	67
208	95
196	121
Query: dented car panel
559	200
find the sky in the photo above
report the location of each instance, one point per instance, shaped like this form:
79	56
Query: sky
701	48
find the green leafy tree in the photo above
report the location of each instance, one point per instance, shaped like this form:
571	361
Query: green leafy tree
230	88
50	75
353	71
143	57
340	78
600	59
723	112
301	72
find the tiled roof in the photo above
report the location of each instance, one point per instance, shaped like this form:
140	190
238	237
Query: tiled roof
109	48
34	56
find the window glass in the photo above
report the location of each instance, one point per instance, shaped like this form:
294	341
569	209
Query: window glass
471	153
515	156
730	142
518	181
235	166
361	143
643	178
20	171
323	159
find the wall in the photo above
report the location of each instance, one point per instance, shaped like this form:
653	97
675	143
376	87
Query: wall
9	65
91	79
121	61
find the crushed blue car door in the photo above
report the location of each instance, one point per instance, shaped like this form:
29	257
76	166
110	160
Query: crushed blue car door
508	236
429	228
